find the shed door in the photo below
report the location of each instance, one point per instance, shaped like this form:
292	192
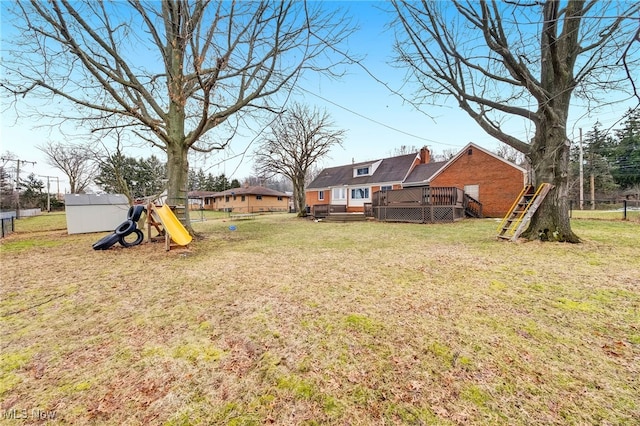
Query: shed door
473	191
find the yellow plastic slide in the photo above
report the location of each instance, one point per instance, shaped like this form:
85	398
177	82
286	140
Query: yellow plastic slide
172	225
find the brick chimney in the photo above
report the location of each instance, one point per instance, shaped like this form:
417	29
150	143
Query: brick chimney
425	155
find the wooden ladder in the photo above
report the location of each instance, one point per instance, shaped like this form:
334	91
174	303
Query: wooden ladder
522	210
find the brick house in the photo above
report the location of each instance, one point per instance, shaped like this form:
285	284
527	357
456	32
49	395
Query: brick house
483	175
352	185
248	199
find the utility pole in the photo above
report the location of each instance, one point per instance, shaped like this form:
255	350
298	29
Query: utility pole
581	174
18	161
592	184
49	192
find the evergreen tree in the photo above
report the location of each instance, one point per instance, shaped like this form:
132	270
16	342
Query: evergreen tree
625	153
210	183
31	193
7	195
150	175
135	178
597	146
221	183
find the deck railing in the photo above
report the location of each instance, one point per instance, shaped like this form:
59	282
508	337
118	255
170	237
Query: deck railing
424	205
323	210
472	207
423	196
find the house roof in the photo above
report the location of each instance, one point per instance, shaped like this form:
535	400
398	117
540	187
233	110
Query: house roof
200	194
425	173
422	173
251	190
474	146
393	169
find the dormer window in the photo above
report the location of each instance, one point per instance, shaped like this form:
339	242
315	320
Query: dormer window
366	170
362	171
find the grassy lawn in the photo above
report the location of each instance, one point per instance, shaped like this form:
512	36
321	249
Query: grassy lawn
288	321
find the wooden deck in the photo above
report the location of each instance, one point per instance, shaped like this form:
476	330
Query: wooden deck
417	205
424	205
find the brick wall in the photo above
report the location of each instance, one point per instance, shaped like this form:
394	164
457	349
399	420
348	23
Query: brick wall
311	197
499	183
250	204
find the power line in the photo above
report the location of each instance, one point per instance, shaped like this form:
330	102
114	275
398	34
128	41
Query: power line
18	162
376	121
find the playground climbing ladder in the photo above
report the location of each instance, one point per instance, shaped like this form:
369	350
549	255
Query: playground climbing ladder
522	210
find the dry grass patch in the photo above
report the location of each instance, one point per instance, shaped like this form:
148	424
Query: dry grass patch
288	321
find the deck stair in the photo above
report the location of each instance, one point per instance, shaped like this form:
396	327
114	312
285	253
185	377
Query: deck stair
345	217
522	210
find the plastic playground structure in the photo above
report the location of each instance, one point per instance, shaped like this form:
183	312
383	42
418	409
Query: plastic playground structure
161	218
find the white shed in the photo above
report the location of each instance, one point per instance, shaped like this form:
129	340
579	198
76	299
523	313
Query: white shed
95	212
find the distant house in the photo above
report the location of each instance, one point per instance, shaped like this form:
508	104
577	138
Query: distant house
248	199
481	174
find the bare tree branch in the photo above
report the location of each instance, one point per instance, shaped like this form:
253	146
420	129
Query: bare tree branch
299	138
169	71
486	55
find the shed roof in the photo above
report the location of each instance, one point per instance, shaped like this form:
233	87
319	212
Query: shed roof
95	200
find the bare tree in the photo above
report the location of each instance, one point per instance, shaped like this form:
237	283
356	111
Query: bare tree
404	149
509	153
75	161
523	60
299	137
447	154
170	71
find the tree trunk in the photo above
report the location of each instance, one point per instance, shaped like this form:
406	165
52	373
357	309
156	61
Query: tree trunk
549	157
299	196
177	170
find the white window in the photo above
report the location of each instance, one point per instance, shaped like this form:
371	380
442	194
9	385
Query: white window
386	187
472	191
321	195
362	171
339	194
359	193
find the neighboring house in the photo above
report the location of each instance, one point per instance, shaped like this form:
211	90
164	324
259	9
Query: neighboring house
483	175
248	199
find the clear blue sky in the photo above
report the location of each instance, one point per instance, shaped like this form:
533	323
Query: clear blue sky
376	120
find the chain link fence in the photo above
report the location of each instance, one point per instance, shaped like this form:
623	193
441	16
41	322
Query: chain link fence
606	209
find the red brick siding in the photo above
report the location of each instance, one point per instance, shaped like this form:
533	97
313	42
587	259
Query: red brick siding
499	183
311	197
